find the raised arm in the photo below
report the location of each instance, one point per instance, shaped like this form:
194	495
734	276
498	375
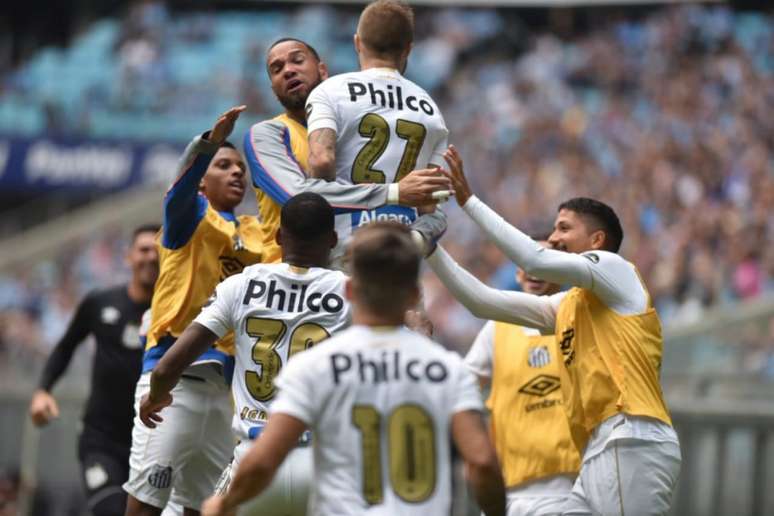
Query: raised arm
485	302
183	206
606	274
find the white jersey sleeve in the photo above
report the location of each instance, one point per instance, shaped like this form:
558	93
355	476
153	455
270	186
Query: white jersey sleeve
614	280
321	111
297	393
468	394
485	302
218	314
480	355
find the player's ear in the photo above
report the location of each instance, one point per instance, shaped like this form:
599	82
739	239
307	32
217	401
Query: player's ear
334	238
278	237
598	238
356	41
322	69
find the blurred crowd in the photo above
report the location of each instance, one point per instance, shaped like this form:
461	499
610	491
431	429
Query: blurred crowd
665	117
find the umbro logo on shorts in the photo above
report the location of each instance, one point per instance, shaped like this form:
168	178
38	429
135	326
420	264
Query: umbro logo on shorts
160	477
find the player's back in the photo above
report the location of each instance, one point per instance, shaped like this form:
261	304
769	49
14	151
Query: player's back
276	310
386	125
379	402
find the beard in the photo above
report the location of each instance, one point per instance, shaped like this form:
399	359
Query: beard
296	101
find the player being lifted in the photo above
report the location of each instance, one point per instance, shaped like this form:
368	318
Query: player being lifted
276	310
277	150
610	338
382	402
202	243
528	424
375	126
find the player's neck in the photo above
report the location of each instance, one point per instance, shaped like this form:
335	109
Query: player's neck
298	115
364	317
138	292
305	260
368	62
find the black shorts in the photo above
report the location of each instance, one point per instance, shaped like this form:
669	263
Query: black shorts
104	469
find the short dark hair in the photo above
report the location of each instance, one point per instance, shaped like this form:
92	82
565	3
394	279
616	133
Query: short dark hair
386	27
385	266
602	217
228	144
309	47
307	217
145	228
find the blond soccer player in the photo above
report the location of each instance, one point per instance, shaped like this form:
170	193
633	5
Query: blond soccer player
610	338
376	126
528	425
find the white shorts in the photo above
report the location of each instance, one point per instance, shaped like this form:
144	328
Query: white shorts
629	477
181	459
288	493
542	497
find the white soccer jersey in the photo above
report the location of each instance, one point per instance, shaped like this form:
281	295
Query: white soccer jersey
386	126
379	402
276	310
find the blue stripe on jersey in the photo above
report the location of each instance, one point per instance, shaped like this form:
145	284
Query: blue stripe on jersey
154	354
400	214
259	174
179	227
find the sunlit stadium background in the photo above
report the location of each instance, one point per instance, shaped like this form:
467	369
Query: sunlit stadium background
662	110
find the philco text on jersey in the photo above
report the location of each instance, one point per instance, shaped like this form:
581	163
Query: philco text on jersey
293	300
389	368
389	99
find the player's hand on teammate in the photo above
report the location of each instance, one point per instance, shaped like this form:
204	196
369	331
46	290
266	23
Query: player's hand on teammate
150	408
43	408
215	506
225	124
423	187
457	175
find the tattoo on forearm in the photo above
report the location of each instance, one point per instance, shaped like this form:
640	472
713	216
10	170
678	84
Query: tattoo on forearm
322	153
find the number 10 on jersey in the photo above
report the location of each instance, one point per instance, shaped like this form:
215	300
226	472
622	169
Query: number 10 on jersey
411	452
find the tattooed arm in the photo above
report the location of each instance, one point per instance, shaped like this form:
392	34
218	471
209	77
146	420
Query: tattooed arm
322	154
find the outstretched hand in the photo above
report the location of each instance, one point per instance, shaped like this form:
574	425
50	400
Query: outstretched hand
225	124
457	175
149	409
421	187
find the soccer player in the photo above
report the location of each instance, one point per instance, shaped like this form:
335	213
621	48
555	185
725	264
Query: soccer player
528	425
277	150
276	311
382	402
113	317
376	126
202	242
610	338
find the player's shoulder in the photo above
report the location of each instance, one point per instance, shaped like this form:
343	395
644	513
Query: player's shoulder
269	128
608	260
106	294
332	86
